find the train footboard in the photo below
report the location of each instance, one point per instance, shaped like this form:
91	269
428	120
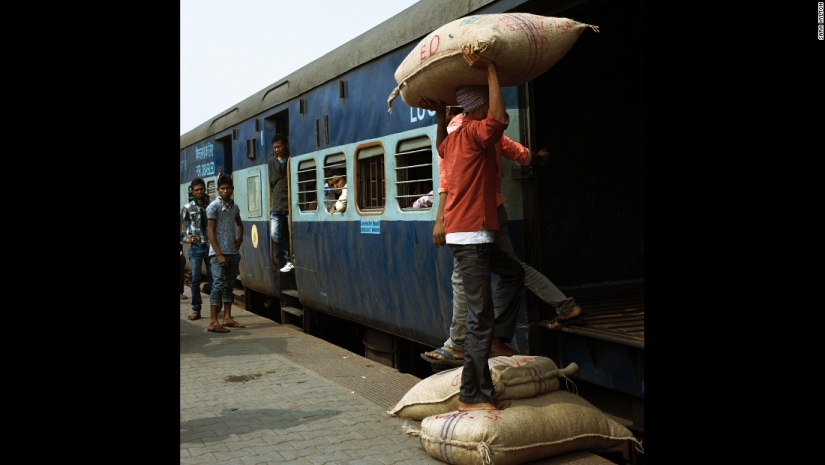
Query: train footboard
609	350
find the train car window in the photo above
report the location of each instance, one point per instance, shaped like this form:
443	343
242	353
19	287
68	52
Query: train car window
253	196
370	169
307	186
332	164
413	170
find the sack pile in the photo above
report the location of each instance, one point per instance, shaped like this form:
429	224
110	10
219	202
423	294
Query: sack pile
541	421
522	46
514	377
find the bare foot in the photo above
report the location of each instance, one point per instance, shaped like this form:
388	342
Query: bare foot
233	324
466	407
498	349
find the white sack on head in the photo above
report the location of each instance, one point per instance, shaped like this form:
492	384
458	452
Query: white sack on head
522	46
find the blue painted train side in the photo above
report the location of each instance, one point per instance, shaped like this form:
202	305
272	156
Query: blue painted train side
579	220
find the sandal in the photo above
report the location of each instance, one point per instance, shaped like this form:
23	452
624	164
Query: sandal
447	358
217	329
195	316
558	323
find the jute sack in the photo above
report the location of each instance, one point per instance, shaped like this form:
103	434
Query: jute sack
513	377
549	424
521	45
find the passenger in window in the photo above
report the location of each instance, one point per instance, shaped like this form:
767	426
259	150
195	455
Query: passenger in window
470	221
339	185
279	200
425	201
329	193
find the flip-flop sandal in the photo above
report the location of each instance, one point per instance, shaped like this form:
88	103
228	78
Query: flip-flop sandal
234	324
219	329
195	316
448	359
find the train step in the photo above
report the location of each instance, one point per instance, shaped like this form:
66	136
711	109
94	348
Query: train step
238	298
293	311
290	292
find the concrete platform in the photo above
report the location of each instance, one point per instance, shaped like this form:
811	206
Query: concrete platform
270	394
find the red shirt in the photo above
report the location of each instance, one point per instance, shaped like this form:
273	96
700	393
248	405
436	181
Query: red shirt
471	171
508	148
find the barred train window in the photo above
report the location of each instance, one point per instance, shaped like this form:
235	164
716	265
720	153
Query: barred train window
414	170
307	186
370	180
254	196
212	190
333	164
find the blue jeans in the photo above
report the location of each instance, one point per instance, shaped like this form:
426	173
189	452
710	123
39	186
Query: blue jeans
223	279
279	227
487	316
198	255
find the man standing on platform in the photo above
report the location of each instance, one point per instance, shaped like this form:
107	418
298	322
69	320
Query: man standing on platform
225	230
193	232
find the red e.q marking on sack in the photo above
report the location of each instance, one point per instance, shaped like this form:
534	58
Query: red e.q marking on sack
435	42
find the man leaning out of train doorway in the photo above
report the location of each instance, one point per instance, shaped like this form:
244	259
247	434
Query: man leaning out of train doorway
279	200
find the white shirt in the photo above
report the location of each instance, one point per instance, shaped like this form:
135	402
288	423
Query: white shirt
341	204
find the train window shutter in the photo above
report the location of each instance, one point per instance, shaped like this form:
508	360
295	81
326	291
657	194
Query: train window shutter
250	148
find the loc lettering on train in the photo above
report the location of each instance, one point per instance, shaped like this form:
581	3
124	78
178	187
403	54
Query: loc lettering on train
417	114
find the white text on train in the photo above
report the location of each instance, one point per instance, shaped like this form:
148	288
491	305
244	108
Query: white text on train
419	113
204	152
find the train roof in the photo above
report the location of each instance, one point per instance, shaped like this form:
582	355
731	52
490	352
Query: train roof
402	29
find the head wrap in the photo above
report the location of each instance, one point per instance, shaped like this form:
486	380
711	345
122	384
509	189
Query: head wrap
471	97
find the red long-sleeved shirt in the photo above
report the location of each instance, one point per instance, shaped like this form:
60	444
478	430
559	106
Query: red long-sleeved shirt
508	148
470	162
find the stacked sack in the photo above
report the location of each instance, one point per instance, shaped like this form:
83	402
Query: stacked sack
515	377
522	46
541	421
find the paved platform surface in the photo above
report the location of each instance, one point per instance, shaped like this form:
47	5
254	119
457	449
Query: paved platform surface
270	394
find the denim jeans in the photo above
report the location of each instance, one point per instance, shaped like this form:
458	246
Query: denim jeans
536	282
223	279
279	227
487	315
182	270
198	256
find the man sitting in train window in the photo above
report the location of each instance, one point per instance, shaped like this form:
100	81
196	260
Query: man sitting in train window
329	193
425	201
339	185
